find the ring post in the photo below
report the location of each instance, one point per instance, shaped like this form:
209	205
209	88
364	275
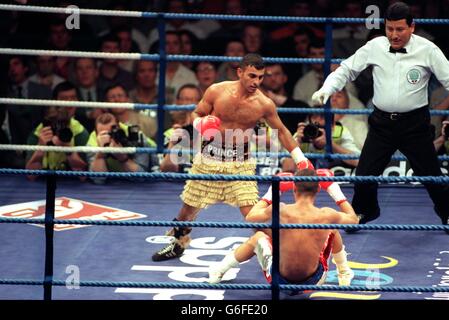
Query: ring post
49	232
275	239
161	85
327	70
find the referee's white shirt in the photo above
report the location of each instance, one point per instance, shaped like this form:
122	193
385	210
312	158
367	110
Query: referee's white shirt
400	79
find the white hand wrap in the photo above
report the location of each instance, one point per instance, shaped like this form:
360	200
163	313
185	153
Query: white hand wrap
335	192
297	155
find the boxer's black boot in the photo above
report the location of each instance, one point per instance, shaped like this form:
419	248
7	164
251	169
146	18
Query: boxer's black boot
177	246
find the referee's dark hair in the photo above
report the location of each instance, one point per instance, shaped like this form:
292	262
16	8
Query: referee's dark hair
399	11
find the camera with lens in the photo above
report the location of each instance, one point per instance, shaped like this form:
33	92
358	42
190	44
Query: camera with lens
133	139
311	131
60	128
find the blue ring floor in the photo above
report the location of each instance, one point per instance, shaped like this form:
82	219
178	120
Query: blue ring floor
112	253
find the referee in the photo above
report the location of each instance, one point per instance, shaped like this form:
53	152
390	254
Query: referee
402	64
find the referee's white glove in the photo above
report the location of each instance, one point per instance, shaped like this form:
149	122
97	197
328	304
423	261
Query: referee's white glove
320	98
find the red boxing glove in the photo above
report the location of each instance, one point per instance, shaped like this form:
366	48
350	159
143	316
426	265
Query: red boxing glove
301	161
283	187
207	126
332	188
305	164
286	185
324	173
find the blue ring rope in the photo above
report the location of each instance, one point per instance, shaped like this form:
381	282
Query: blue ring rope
292	109
240	225
228	286
224	177
202	16
348	156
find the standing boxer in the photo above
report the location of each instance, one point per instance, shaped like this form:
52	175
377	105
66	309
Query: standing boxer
225	118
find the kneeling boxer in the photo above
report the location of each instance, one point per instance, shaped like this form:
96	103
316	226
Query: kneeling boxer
304	253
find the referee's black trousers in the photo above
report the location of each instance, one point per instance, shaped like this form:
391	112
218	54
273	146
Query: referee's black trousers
410	133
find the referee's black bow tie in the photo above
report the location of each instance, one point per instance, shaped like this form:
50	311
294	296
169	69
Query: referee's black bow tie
402	50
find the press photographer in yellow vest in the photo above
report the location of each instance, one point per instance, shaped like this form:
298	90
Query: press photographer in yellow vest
59	128
312	138
111	133
441	143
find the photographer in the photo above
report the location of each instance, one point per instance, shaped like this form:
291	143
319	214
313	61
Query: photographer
356	124
111	133
442	140
312	138
117	93
181	130
59	128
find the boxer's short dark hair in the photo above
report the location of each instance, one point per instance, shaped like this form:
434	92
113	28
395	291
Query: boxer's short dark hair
306	187
252	59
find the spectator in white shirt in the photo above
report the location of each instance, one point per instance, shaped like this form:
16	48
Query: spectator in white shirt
45	73
356	124
176	74
312	80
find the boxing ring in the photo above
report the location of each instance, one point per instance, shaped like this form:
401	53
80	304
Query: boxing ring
99	239
113	255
